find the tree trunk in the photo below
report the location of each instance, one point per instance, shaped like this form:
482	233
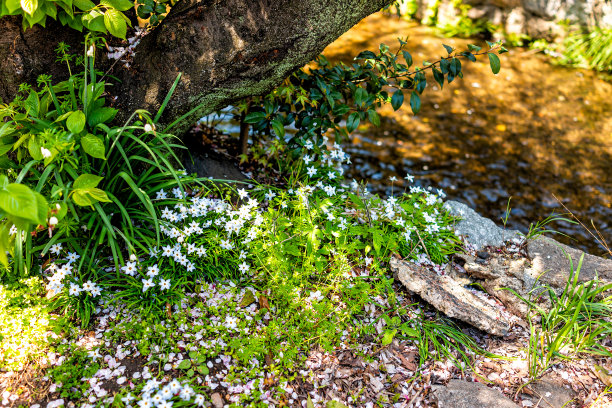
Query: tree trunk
225	49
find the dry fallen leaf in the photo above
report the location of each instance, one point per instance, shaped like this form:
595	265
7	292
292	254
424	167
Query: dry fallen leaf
603	374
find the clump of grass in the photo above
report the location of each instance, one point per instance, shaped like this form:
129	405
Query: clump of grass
577	322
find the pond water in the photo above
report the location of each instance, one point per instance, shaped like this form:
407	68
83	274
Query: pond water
532	132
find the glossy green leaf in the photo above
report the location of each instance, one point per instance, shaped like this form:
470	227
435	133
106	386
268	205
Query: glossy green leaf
397	99
415	102
254	117
93	146
407	57
388	337
494	62
278	127
374	117
19	200
448	49
121	5
76	122
29	6
84	5
352	122
115	23
101	115
85	181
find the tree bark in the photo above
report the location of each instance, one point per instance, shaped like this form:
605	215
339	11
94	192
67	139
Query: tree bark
225	49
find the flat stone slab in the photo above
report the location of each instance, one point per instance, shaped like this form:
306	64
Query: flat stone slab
550	261
478	230
463	394
450	297
550	393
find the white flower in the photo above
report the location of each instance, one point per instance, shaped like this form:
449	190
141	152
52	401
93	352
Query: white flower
161	195
308	145
53	221
311	171
243	267
152	270
187	392
72	256
409	177
392	179
13	230
55	249
90	51
149	128
129	268
243	193
199	400
164	284
45	152
74	289
147	283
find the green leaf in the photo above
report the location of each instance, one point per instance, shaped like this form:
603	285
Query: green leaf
439	77
366	55
13	5
254	117
352	122
93	146
202	369
42	209
407	57
84	5
89	196
76	122
415	102
29	6
34	148
94	21
388	337
448	48
397	99
101	115
185	365
474	48
114	22
374	118
494	62
309	403
121	5
278	127
19	200
360	96
85	181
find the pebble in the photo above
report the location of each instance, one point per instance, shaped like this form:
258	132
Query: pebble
217	401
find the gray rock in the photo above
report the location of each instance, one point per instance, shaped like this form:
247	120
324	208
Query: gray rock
478	230
450	297
551	263
550	393
463	394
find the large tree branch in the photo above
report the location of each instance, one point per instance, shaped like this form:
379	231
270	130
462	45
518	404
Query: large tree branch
230	49
226	50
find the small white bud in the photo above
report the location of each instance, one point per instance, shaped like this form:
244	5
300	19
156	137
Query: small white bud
45	152
148	127
90	51
133	258
53	221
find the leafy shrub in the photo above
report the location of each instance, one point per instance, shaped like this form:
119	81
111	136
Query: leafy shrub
105	16
336	99
57	142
